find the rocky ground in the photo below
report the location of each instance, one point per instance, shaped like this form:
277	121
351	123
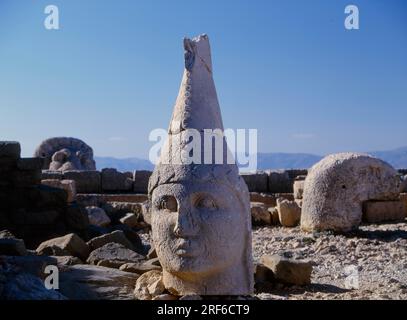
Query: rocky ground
120	263
368	264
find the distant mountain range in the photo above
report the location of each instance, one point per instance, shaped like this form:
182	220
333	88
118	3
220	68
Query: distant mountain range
123	165
397	158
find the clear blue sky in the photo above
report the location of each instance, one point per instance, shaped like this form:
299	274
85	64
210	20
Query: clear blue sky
288	68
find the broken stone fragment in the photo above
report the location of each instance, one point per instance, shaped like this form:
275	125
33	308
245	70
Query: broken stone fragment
263	274
289	213
140	268
88	282
287	270
113	255
130	219
274	215
68	185
113	237
98	217
71	244
260	214
149	285
267	199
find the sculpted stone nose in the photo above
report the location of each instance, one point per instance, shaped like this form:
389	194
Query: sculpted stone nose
186	225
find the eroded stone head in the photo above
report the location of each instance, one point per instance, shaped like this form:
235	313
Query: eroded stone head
200	212
63	154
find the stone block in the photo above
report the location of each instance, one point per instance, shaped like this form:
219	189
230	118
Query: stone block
26	178
98	217
68	185
140	180
71	244
10	149
30	164
288	271
51	175
86	181
267	199
117	236
114	181
256	182
381	211
279	181
260	214
289	213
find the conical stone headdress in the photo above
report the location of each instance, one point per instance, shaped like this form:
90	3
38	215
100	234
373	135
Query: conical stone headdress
196	109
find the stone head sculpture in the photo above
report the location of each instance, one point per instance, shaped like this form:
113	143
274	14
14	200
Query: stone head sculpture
64	154
200	218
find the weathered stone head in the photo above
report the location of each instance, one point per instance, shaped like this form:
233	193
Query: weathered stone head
64	154
200	212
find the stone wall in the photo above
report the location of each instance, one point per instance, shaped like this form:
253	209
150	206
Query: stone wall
30	210
273	181
110	181
106	181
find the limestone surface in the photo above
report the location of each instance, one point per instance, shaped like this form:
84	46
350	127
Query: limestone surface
288	270
88	282
289	213
70	244
337	186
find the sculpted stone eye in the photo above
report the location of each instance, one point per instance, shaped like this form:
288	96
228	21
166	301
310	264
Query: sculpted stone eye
168	203
206	203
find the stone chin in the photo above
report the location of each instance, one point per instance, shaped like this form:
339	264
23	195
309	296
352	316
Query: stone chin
187	264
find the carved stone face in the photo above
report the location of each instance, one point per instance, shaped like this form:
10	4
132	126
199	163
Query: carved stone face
66	159
65	153
197	228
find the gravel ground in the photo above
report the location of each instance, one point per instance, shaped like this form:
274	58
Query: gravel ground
368	264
